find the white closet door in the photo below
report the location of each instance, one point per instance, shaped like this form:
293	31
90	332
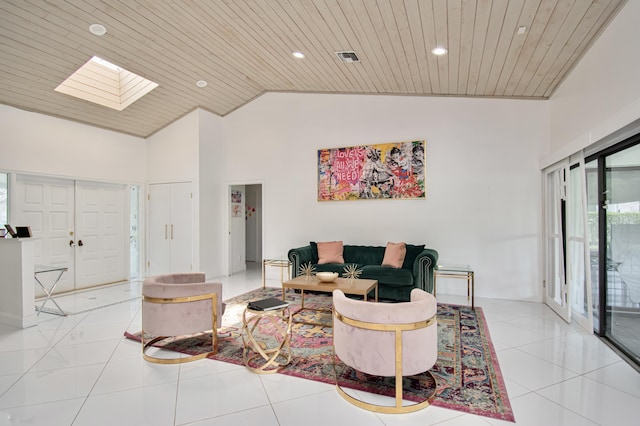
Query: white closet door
170	229
47	206
158	233
100	240
181	229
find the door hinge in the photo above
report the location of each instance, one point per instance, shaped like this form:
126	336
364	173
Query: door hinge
148	196
148	264
544	283
191	194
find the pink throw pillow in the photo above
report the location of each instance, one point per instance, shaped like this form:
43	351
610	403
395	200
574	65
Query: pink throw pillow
394	255
330	252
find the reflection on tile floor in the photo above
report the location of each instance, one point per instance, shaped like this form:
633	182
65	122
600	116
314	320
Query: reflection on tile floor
79	370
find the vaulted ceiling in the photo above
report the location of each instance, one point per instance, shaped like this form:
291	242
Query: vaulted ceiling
243	48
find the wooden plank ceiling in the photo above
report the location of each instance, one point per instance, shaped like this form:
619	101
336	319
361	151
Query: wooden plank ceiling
244	48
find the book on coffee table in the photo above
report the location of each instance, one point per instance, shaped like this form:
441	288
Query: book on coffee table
267	304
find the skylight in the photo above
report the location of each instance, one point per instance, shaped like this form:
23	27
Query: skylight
106	84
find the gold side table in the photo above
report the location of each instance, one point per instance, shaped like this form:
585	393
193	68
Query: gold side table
279	263
462	272
256	351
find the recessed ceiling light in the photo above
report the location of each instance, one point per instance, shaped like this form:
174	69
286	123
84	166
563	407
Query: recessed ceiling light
298	55
201	83
439	51
522	30
97	29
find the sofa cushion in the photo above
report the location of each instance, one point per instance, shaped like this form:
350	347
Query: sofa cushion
334	267
330	252
394	255
363	255
412	252
387	276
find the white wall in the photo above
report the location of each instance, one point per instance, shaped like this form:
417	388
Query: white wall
602	94
211	234
483	182
40	144
172	153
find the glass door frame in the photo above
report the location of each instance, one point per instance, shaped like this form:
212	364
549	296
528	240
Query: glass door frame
566	241
577	234
601	156
554	241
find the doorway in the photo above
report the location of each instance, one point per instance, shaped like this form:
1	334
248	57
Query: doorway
245	226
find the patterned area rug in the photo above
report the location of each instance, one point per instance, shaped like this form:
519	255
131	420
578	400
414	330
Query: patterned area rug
467	371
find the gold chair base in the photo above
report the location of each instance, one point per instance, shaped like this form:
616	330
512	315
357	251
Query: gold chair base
388	409
180	360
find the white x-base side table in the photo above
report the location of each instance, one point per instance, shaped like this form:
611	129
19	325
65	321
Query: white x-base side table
42	269
462	272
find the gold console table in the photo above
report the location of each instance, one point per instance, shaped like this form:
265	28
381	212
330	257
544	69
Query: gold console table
462	272
279	263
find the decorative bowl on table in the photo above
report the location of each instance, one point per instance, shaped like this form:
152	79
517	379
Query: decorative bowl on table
327	277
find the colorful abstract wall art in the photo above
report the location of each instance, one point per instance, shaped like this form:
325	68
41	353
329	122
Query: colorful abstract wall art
387	170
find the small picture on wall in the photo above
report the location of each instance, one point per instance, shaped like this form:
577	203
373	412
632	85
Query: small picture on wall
235	210
380	171
236	197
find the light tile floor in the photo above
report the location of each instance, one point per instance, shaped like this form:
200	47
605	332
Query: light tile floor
79	370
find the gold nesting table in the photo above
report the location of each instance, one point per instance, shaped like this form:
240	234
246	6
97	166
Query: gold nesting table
258	357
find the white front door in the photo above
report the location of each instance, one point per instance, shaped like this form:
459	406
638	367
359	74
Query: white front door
47	206
100	233
80	225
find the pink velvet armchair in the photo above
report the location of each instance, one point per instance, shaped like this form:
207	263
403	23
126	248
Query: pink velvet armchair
177	305
386	339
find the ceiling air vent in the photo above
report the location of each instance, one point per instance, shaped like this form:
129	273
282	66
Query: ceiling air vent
348	56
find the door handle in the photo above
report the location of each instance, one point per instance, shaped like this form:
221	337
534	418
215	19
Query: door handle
71	243
165	231
172	231
80	243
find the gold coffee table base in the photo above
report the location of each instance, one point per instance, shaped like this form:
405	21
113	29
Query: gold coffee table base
360	287
302	309
273	359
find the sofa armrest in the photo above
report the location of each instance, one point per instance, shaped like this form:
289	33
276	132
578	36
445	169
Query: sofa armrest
300	256
423	268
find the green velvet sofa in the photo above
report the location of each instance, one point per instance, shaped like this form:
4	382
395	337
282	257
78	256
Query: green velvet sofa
393	283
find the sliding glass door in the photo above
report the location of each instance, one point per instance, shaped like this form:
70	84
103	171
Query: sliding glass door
614	179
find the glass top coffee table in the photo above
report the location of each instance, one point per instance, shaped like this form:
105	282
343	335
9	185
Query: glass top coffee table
361	287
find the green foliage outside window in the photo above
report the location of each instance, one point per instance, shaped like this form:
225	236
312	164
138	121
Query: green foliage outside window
632	218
